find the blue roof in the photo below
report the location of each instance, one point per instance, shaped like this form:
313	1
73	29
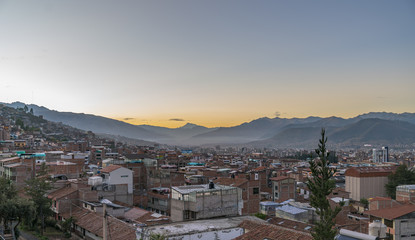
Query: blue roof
269	203
195	164
291	209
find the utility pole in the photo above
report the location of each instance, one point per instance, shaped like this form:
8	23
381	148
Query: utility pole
104	222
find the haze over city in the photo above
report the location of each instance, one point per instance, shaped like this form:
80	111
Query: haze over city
213	63
209	119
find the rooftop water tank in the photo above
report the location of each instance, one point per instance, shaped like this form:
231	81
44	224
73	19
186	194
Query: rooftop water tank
378	229
95	180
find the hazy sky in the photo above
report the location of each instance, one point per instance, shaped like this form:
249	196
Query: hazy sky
214	63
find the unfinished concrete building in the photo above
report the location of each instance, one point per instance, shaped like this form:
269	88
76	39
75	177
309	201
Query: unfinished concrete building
205	201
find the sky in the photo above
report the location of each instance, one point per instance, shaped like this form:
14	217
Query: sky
213	63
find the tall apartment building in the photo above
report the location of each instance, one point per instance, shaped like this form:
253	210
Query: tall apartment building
367	182
380	155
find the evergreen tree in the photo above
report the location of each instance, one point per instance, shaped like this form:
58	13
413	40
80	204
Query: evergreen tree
321	185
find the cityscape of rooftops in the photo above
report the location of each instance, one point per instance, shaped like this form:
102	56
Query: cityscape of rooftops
291	120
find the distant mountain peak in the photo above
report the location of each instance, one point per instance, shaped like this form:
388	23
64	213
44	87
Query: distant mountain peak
189	126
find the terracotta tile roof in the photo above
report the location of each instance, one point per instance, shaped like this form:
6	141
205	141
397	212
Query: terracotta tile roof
110	168
286	223
392	213
273	232
279	178
93	222
250	225
62	192
379	199
258	169
135	213
147	217
369	171
234	182
9	159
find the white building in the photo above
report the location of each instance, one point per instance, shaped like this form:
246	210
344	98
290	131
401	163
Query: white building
115	175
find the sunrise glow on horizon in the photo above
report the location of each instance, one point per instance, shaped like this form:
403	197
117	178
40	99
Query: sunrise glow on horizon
211	63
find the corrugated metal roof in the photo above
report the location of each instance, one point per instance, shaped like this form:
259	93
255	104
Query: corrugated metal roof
290	209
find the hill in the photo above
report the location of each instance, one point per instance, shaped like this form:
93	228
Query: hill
272	132
365	131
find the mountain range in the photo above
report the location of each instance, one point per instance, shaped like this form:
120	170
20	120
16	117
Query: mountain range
376	128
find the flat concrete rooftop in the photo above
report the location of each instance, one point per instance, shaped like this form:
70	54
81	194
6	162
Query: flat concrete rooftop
190	227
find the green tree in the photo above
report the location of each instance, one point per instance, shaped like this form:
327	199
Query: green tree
67	225
7	190
31	111
157	236
19	122
7	194
260	215
16	210
321	184
402	176
13	208
365	202
25	108
37	189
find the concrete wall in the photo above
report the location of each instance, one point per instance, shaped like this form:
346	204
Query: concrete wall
176	211
122	176
118	193
208	205
404	229
366	187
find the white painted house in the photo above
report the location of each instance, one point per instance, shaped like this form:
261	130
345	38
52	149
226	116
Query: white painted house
115	174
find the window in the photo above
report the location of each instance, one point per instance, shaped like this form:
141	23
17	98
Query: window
388	223
189	215
276	187
256	176
256	190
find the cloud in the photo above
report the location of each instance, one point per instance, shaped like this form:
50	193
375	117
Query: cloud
126	119
277	114
177	119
